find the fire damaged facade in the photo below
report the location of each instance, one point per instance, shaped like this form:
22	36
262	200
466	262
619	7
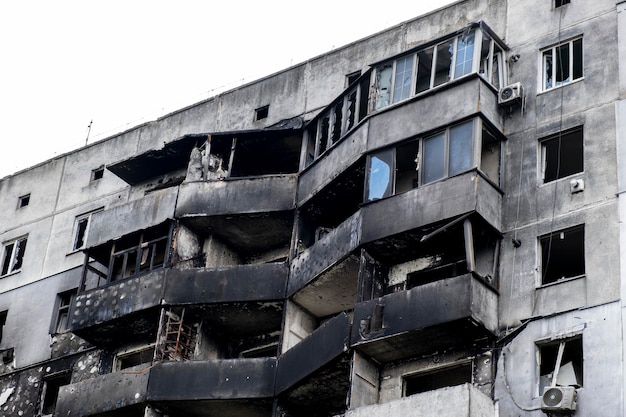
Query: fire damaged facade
428	221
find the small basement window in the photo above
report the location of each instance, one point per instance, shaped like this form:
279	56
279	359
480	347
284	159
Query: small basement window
261	113
561	363
562	254
23	201
440	378
562	154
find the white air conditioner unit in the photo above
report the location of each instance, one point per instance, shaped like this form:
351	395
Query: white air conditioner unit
558	399
510	94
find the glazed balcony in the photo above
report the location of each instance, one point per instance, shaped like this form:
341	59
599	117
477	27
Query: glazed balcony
457	401
390	226
131	306
448	312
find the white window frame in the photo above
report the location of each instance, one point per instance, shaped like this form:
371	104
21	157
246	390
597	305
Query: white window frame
13	256
77	220
542	64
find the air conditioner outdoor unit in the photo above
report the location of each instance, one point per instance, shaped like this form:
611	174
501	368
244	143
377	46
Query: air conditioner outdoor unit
510	94
559	399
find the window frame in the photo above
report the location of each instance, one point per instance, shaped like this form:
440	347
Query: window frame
75	234
16	256
560	136
97	174
561	343
61	309
543	79
23	201
46	400
543	268
440	370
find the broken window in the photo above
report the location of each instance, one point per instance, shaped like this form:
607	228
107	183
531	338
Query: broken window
13	255
562	254
81	229
97	174
439	378
262	112
23	201
392	171
491	61
51	387
448	153
562	154
3	321
64	300
380	171
134	357
562	63
490	155
561	363
559	3
352	77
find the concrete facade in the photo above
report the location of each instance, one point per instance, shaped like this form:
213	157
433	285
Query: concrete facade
406	231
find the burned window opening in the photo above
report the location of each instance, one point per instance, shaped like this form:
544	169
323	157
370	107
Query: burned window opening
128	257
81	229
51	387
134	357
13	256
562	154
261	113
23	201
562	255
439	378
337	117
561	363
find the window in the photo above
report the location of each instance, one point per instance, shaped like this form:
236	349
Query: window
559	3
134	357
448	153
13	256
81	229
562	154
562	63
440	378
261	113
421	161
64	300
23	201
352	78
3	321
562	254
97	174
51	387
561	363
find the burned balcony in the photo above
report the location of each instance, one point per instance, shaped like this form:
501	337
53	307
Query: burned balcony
129	309
456	401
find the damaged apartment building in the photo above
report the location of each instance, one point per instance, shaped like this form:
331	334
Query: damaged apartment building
425	222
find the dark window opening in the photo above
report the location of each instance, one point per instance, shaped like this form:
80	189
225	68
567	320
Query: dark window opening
352	77
3	321
562	154
81	230
261	113
562	63
13	256
51	389
23	201
135	358
97	174
559	3
427	276
64	300
351	100
337	122
567	372
563	254
267	351
323	135
447	377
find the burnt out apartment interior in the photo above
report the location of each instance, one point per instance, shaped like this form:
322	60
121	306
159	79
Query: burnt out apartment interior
388	252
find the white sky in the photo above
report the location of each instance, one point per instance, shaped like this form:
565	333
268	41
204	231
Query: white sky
120	63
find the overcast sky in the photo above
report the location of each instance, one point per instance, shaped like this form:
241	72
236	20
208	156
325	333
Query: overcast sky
122	63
